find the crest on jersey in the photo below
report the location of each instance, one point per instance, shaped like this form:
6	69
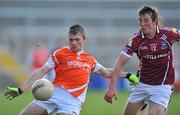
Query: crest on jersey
164	37
87	59
164	45
174	30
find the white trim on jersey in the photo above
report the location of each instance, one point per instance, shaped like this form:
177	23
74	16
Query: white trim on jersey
157	29
76	89
122	52
98	66
142	35
165	76
55	56
50	63
82	97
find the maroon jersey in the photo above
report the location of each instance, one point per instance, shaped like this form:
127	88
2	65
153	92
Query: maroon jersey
155	55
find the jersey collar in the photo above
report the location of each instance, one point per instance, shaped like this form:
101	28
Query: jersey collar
80	52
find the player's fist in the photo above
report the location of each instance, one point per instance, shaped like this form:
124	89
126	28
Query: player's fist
12	92
134	80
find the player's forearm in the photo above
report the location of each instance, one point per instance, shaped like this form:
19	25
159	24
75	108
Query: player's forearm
35	76
109	72
114	77
122	60
117	71
27	84
105	72
123	74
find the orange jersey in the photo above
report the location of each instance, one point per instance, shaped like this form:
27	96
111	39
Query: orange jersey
72	70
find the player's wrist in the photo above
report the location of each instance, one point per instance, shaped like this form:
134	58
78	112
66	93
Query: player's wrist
111	87
20	91
132	78
128	75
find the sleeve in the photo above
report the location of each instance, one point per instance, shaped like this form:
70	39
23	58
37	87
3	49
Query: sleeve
50	63
174	35
128	49
97	66
55	55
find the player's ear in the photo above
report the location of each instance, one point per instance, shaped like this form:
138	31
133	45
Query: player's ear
85	39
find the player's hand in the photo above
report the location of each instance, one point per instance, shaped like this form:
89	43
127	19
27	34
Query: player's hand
110	94
134	80
12	92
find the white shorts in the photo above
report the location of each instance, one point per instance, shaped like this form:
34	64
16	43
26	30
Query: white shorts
61	102
159	94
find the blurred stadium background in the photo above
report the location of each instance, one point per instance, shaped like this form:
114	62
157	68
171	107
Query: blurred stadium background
28	27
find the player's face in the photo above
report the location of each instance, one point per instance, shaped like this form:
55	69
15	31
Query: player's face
147	26
76	42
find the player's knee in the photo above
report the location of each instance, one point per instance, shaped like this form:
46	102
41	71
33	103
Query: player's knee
27	111
157	112
153	113
131	109
126	112
129	113
22	113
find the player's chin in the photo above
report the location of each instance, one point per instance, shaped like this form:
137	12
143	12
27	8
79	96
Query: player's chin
144	31
75	49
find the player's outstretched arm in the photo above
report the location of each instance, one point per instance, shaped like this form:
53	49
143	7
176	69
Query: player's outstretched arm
111	93
106	72
12	92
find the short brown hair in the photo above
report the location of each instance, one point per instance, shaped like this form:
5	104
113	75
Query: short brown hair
77	29
152	11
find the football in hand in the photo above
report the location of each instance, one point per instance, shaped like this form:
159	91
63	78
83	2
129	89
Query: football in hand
42	89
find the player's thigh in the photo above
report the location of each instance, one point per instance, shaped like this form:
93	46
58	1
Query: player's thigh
33	109
132	108
156	109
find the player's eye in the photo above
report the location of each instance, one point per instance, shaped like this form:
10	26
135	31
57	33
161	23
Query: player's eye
70	40
77	39
146	20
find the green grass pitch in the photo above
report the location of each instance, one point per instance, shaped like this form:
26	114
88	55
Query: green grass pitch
94	104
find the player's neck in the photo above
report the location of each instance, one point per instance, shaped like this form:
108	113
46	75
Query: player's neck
151	34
